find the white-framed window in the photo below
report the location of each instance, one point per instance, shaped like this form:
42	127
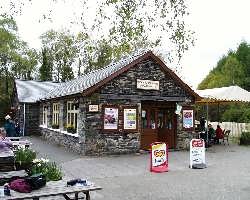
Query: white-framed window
45	116
55	115
72	113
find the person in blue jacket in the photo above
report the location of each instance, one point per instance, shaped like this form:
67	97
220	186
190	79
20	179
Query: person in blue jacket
9	126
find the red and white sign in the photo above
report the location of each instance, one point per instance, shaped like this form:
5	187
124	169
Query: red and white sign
197	153
159	157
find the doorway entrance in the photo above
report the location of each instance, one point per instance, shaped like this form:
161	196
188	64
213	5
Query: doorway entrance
158	124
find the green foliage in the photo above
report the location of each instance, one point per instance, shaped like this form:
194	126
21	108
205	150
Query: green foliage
46	68
245	138
55	126
50	169
232	69
71	129
62	50
24	156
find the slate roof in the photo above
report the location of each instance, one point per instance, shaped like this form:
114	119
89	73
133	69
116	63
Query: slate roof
32	91
84	82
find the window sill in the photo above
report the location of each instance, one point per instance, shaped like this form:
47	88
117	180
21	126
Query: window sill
70	134
60	131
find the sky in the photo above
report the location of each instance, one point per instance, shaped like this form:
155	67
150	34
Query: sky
219	25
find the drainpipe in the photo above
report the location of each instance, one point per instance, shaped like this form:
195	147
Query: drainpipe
23	118
207	121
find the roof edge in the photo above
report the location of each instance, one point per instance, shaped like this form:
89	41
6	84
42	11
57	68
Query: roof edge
148	54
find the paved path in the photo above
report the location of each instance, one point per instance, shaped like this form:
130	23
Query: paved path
127	177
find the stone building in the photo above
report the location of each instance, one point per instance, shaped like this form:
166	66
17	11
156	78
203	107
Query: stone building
121	108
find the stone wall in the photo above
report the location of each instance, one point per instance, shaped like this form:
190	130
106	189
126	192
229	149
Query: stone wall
183	137
101	142
70	142
125	84
59	136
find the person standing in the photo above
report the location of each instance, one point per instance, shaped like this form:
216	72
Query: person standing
218	134
9	126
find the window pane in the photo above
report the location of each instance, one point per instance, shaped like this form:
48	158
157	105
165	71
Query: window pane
144	118
76	120
161	119
152	119
168	123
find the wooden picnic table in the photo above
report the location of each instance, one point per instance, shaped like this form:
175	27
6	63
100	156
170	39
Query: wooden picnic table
54	188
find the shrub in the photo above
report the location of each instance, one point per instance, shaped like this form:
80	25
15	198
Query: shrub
245	138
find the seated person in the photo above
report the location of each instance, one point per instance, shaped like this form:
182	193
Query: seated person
5	144
6	154
218	134
211	132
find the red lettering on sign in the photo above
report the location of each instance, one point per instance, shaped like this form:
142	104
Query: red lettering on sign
197	143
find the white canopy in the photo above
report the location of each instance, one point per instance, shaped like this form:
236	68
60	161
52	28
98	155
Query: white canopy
224	94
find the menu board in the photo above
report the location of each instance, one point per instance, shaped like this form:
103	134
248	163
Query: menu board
197	153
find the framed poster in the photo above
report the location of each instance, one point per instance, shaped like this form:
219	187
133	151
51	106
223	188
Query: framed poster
130	118
110	118
188	119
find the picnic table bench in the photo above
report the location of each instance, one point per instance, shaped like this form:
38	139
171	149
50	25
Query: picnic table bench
54	188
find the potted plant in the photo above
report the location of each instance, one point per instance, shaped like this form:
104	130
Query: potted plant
50	169
71	129
24	158
55	126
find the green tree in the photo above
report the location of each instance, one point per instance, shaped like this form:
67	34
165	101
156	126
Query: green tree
131	24
45	71
62	50
243	56
231	69
16	60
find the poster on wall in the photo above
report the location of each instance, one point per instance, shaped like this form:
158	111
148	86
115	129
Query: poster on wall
188	118
197	154
129	118
111	118
159	157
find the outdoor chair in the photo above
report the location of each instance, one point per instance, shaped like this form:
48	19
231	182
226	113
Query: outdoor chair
226	136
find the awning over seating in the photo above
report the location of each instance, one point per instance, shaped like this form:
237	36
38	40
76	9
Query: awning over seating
223	95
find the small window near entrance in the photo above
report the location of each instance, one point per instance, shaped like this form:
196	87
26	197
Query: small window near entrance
160	119
169	118
144	119
152	119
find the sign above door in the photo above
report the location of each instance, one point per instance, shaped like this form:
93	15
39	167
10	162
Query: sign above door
148	84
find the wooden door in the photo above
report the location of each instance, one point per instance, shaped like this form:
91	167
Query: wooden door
149	127
166	119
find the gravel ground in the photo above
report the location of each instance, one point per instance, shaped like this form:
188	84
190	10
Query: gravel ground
127	177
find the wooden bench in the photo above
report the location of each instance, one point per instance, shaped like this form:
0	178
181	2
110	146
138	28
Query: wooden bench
54	188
